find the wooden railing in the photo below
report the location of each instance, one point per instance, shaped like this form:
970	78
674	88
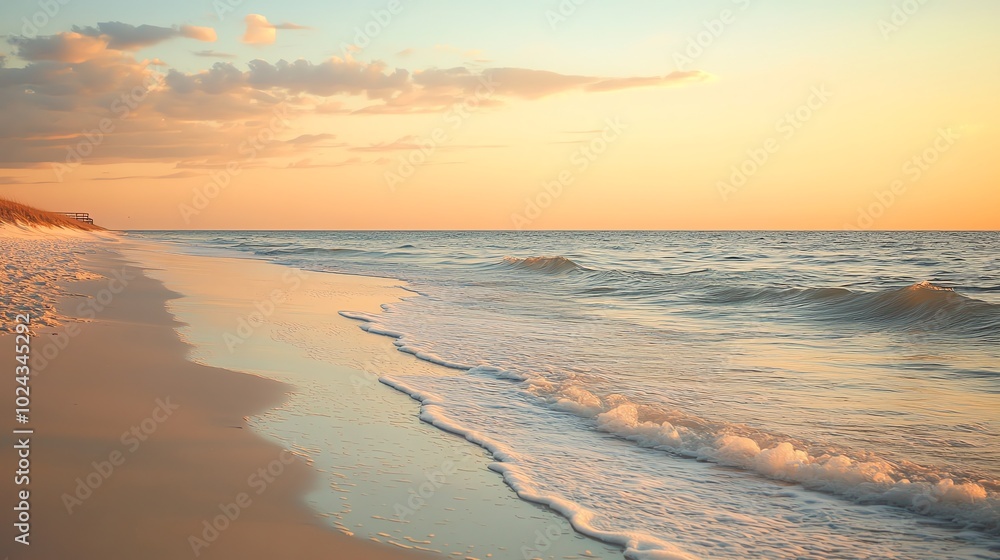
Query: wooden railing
78	216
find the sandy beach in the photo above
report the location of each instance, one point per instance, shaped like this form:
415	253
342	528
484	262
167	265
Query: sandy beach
140	453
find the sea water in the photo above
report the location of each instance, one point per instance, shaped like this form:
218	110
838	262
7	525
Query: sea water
727	394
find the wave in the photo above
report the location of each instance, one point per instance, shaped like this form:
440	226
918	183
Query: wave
967	499
549	265
923	306
865	479
309	251
636	545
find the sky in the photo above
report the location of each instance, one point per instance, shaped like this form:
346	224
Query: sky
550	114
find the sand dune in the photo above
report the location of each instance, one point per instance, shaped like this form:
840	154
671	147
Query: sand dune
15	213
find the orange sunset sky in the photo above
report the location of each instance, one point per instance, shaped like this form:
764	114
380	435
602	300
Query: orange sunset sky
572	114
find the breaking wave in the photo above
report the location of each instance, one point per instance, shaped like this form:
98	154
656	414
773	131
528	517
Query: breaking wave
550	265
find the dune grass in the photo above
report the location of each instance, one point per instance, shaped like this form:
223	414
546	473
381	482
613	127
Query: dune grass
16	213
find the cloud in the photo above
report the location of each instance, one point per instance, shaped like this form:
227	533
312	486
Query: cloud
68	47
126	37
311	138
87	43
408	142
673	78
73	81
262	32
309	163
398	91
328	78
259	31
75	96
221	78
331	77
535	84
8	180
204	34
213	54
178	175
292	26
411	142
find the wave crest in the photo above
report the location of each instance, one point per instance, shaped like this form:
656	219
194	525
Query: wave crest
549	265
865	480
924	306
308	251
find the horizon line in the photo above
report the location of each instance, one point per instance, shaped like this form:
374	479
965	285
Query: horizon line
575	230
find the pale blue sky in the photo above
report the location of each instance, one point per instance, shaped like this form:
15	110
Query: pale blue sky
601	36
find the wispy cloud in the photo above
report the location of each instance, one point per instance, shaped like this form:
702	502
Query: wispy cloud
413	143
122	36
213	54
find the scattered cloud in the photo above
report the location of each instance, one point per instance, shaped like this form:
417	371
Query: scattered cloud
413	143
614	84
70	47
178	175
125	37
262	32
311	138
291	26
331	77
8	180
535	84
309	163
213	54
408	142
74	81
259	31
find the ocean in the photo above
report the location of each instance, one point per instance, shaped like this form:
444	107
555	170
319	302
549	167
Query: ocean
770	394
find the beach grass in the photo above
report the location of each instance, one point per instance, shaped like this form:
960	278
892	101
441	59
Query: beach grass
12	212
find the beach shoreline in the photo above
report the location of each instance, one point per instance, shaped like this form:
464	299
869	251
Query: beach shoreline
387	471
138	452
211	402
500	341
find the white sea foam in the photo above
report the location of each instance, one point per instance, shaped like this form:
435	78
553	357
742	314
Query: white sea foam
872	480
637	545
